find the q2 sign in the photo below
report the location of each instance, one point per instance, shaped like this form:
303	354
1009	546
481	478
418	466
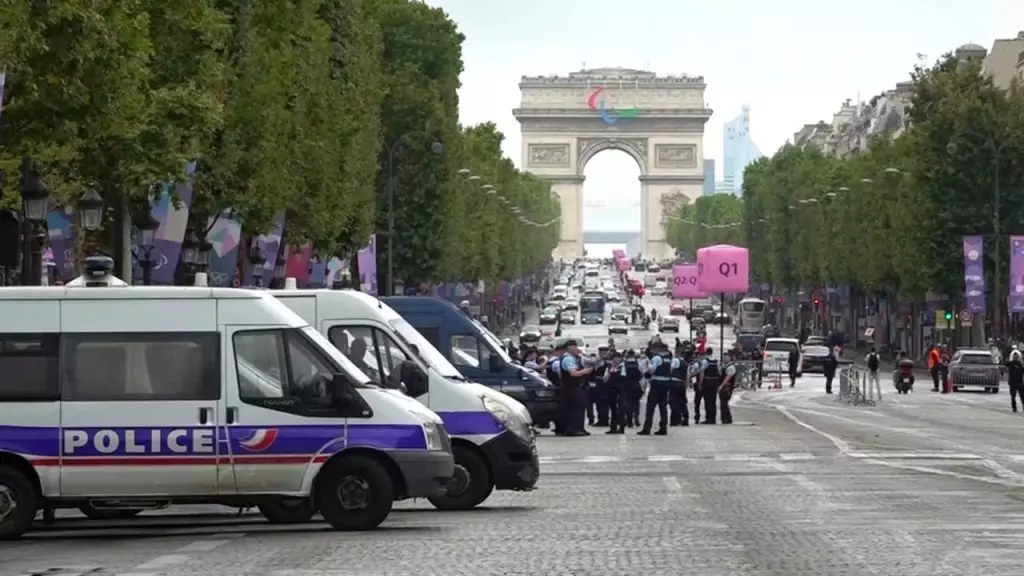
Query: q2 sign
723	268
684	282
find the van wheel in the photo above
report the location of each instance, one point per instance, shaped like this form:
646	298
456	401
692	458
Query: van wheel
287	510
355	493
18	503
94	513
468	493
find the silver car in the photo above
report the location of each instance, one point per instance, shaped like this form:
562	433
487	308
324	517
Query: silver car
568	317
974	369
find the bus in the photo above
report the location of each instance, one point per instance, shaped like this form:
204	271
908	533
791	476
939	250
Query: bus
750	316
592	308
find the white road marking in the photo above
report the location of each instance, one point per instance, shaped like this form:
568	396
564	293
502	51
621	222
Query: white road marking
914	456
666	458
797	456
675	491
599	459
840	444
202	545
161	562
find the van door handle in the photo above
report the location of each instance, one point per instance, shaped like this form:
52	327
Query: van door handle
204	416
232	416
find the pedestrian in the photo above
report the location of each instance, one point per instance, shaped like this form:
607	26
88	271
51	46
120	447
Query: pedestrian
695	374
1015	377
793	360
934	365
574	376
829	367
873	362
657	396
711	379
725	393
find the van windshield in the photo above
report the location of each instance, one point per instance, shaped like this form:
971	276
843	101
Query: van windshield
496	345
428	353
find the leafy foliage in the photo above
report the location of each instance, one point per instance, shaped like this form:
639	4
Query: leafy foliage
330	110
708	221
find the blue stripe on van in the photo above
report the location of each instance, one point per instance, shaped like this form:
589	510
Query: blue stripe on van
120	441
480	423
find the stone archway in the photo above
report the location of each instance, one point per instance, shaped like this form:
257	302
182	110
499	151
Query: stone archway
663	131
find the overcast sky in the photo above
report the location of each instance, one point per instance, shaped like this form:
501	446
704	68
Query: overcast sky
792	61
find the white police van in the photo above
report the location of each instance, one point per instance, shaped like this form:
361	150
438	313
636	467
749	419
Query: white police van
492	436
117	399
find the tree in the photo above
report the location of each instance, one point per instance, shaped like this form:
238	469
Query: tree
710	220
423	60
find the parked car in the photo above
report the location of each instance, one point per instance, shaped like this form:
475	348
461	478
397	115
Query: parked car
813	358
549	315
668	324
530	335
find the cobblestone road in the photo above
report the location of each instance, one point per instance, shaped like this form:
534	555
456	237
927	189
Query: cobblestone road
801	485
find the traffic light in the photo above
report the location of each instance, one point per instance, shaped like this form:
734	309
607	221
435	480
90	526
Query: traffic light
817	301
949	315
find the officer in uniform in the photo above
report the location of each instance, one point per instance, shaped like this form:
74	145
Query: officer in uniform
553	371
574	376
632	375
710	381
662	365
725	394
696	376
616	384
678	405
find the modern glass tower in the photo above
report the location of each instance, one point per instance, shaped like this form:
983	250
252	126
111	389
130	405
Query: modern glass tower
739	151
709	176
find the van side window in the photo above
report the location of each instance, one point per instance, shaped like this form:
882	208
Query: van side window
29	367
140	366
356	342
433	335
467	351
281	364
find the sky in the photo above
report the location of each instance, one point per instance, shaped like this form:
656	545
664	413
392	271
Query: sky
792	61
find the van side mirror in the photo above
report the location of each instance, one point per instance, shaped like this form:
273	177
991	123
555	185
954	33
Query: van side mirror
415	380
343	394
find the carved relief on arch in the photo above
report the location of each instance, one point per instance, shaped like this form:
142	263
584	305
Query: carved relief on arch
587	148
671	202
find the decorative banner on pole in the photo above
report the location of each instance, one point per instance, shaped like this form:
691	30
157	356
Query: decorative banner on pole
974	273
169	236
224	235
684	282
723	268
60	227
1016	274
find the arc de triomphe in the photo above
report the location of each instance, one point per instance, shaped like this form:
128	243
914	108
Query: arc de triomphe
658	120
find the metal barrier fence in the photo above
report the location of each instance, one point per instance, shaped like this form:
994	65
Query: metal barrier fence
753	374
859	386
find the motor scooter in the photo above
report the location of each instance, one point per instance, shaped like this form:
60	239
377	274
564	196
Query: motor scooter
904	383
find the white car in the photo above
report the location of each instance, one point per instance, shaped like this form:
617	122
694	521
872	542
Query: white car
776	355
568	317
618	328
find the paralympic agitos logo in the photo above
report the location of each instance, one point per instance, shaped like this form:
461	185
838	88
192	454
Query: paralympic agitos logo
609	115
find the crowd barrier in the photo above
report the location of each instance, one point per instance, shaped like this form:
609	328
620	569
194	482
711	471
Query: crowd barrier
858	387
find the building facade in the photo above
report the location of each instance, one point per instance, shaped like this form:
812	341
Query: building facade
739	151
709	176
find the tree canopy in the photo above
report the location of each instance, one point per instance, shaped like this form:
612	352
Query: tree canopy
333	112
892	217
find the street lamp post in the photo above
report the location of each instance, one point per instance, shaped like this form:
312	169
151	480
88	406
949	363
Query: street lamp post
147	226
436	148
205	254
257	259
35	201
90	218
280	269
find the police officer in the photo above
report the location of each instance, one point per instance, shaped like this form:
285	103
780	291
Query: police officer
711	379
1015	376
725	393
574	376
633	390
696	375
678	405
616	383
553	371
662	365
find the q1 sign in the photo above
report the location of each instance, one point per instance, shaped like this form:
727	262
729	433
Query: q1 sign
619	253
623	265
684	282
723	268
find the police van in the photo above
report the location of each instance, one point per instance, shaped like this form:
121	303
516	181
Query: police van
119	399
492	437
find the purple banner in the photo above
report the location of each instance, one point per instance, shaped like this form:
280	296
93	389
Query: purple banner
974	273
224	235
271	246
173	221
61	231
368	267
1017	274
